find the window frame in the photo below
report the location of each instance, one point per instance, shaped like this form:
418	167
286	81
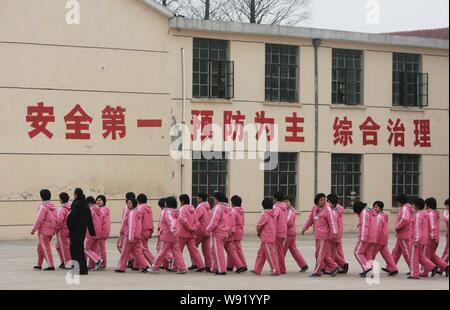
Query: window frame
336	174
286	170
404	160
344	64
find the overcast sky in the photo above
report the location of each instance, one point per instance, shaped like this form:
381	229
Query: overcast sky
394	15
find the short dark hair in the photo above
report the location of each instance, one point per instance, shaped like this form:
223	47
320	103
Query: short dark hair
184	199
431	203
102	198
90	200
278	196
171	202
162	203
359	206
45	195
419	203
133	201
267	204
79	193
402	199
446	202
220	197
318	197
203	196
64	197
130	195
379	203
236	201
333	199
289	198
141	198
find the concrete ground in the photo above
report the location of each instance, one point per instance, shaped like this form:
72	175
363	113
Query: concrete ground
18	257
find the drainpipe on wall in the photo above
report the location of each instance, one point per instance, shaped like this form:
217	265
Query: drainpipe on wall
183	113
316	44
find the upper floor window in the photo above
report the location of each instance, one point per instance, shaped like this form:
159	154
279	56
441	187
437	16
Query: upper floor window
409	85
213	73
347	77
281	73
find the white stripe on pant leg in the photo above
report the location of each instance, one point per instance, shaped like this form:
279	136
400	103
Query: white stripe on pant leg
319	256
61	248
217	255
406	251
123	250
358	248
269	258
44	249
412	268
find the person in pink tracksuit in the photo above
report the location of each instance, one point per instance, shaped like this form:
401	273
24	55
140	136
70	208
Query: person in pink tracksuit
62	232
445	219
420	241
433	236
325	230
228	243
403	230
45	226
188	226
367	237
280	210
169	238
167	263
266	229
381	223
146	214
291	240
123	232
106	228
92	244
202	237
336	248
238	219
132	244
219	228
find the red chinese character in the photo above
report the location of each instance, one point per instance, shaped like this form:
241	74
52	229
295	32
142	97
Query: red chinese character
202	120
78	121
295	129
233	125
114	122
370	131
343	133
422	133
39	116
267	123
396	132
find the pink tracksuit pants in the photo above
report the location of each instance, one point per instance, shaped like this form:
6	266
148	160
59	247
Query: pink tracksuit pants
219	263
168	262
445	253
102	252
337	253
233	259
194	253
391	266
402	248
63	249
418	257
164	249
434	258
146	252
364	255
279	246
91	248
267	252
135	249
291	245
44	250
323	257
240	254
205	241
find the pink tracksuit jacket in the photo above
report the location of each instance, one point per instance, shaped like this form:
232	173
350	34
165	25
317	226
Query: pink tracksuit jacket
92	244
146	214
420	240
219	228
337	251
233	259
280	210
45	225
403	232
367	237
63	241
266	228
237	235
106	230
188	226
445	253
291	240
433	240
202	236
122	231
381	221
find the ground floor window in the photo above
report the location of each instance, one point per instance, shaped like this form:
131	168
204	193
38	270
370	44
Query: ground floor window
346	177
283	177
405	175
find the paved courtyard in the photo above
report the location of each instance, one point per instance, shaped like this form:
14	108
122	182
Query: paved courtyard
18	257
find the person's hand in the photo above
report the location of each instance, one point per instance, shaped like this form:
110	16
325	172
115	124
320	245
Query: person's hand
32	233
303	232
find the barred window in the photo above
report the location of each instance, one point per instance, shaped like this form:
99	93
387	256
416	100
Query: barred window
346	177
347	77
209	175
409	85
213	74
405	175
281	73
282	178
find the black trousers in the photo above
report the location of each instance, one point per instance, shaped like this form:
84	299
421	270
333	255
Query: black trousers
78	254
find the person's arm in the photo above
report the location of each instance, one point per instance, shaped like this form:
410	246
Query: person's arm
215	220
309	221
172	223
90	223
184	220
405	219
152	227
434	231
263	219
42	214
332	221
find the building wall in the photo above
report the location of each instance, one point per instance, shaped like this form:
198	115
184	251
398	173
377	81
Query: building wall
123	53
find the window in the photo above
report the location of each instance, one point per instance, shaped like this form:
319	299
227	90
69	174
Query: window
346	177
213	74
209	175
281	73
409	85
347	77
405	175
283	178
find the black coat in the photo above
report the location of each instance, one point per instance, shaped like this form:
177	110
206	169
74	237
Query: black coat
80	220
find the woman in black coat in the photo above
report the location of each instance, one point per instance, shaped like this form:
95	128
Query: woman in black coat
78	221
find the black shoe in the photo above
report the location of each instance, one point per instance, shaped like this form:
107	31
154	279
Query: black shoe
393	273
49	269
207	269
37	267
385	270
413	278
220	273
135	269
193	267
62	266
119	271
434	272
145	270
99	264
408	273
130	263
364	274
241	270
446	272
230	269
304	269
200	269
315	275
335	272
344	270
